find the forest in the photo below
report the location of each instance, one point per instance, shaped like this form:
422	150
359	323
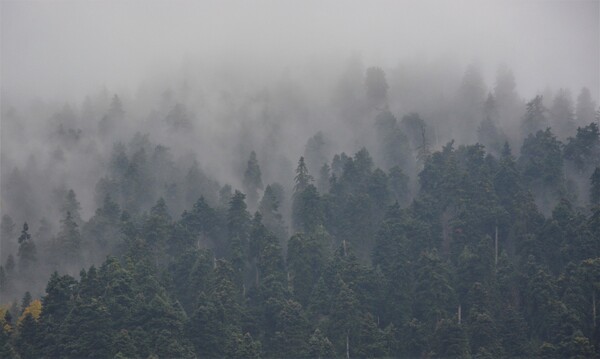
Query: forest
340	208
488	252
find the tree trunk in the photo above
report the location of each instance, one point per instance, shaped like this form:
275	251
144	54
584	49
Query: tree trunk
256	270
496	246
459	314
347	346
594	307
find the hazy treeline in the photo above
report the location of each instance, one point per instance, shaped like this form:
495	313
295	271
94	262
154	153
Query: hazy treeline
321	212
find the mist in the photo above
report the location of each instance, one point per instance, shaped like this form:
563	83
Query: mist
119	44
190	89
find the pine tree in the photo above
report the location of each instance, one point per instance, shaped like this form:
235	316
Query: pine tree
157	228
304	260
319	346
303	178
69	240
86	330
584	110
269	209
535	118
562	113
583	150
344	320
27	340
595	188
25	301
252	179
238	225
71	205
307	210
450	340
27	250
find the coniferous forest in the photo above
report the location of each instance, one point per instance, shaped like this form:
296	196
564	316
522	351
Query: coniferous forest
418	210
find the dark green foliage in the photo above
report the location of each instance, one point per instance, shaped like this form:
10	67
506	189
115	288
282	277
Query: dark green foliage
472	267
238	225
26	343
69	241
104	227
86	331
27	249
292	330
595	188
394	147
307	210
488	132
584	149
434	297
269	208
305	259
319	346
302	179
450	340
541	164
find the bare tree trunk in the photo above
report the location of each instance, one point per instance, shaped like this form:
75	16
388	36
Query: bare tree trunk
496	246
594	307
347	346
256	270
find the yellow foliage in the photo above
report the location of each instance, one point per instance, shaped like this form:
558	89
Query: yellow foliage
35	308
3	323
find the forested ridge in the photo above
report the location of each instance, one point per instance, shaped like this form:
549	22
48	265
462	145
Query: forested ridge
407	247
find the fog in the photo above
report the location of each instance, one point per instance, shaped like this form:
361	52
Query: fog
183	92
118	44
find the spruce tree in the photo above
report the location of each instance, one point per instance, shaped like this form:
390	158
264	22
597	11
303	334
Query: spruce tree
252	180
27	249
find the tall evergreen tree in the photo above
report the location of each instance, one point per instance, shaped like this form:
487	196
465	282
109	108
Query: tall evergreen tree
69	241
269	208
252	179
595	188
376	87
535	118
303	178
238	225
584	110
27	250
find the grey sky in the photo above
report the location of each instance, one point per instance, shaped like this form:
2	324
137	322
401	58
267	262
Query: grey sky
65	48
